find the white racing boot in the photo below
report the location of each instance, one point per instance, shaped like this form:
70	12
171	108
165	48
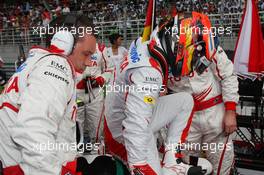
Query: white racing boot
171	165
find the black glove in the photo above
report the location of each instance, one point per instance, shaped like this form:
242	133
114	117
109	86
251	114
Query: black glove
1	168
83	166
102	165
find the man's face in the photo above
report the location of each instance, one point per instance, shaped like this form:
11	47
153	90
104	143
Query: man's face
119	41
82	52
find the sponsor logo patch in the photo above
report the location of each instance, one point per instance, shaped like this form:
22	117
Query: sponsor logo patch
56	76
151	79
134	55
21	67
149	100
59	67
94	56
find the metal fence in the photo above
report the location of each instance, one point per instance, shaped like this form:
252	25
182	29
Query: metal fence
130	29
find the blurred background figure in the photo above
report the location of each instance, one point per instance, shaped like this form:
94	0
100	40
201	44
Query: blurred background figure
46	17
90	98
2	75
115	53
66	9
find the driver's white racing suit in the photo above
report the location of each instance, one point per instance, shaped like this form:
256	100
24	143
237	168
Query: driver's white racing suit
134	111
37	122
214	91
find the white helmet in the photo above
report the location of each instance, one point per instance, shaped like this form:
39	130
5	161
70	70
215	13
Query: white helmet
62	42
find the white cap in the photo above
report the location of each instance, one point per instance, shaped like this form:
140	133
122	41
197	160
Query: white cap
64	41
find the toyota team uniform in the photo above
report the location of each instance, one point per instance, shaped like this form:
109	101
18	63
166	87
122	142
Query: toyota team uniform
134	112
90	96
37	110
214	91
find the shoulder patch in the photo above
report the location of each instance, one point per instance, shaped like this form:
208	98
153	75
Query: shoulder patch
94	56
21	67
134	55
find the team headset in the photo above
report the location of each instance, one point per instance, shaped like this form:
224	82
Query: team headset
67	22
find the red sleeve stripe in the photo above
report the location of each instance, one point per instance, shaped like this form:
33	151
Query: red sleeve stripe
10	106
230	105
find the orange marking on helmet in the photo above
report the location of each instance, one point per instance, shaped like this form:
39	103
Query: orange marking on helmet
206	35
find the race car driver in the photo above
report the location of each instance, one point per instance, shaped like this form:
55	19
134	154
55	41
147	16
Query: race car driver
90	96
38	109
212	84
134	111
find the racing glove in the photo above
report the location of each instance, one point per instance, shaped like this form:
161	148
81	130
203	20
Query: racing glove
83	166
80	166
142	170
98	81
70	169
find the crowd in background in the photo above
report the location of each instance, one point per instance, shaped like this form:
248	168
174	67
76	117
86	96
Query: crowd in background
25	15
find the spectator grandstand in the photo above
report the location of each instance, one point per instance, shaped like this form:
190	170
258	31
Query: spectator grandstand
18	19
32	13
